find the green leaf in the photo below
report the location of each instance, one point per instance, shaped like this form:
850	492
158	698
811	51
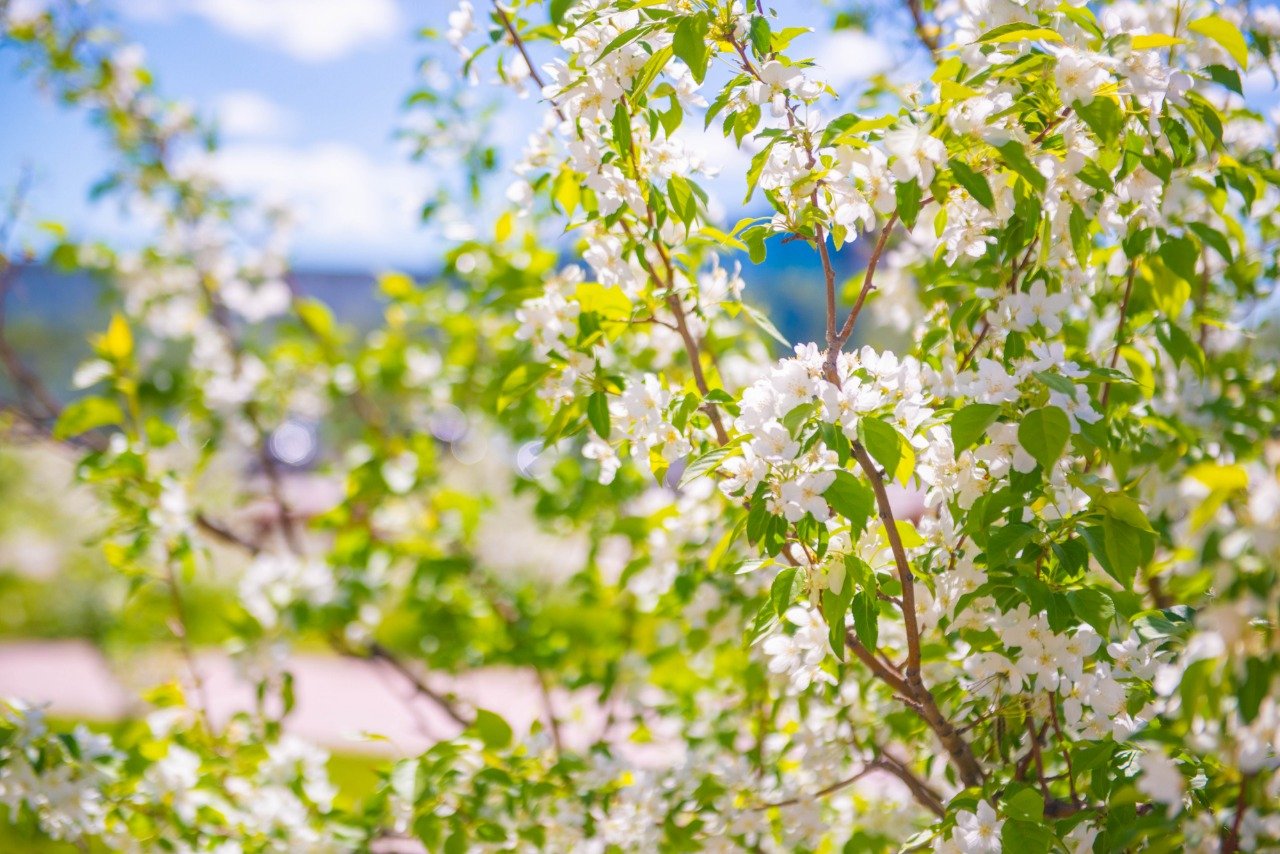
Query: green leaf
1123	545
1057	382
757	519
493	729
622	128
780	593
1180	255
598	414
970	424
882	442
866	618
1257	685
761	40
762	320
834	606
1103	117
85	414
1019	32
1026	837
1093	607
684	198
1124	509
1079	226
1205	119
559	8
625	37
1213	238
1225	34
316	316
1097	177
1016	159
703	464
1223	76
754	239
1044	433
852	499
1180	345
1026	804
690	44
975	184
117	342
909	197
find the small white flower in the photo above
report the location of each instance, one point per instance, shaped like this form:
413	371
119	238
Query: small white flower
1160	779
979	832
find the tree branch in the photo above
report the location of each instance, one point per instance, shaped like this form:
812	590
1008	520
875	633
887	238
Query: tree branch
1124	312
821	793
868	283
519	43
924	794
378	652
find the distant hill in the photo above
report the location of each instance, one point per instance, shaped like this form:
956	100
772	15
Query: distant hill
51	313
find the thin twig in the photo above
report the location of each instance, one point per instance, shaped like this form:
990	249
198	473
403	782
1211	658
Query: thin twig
823	792
1012	287
378	652
548	708
179	629
926	33
903	565
1231	842
1066	749
920	790
868	283
1035	752
519	43
1124	312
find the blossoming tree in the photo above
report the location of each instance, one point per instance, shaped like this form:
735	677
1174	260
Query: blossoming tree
1073	646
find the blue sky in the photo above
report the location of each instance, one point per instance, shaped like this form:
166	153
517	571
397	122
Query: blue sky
290	107
308	95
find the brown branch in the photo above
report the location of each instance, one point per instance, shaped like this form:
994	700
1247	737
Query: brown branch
823	792
882	671
682	328
1124	312
221	532
1035	752
927	33
900	560
695	363
868	283
378	652
1066	749
275	480
519	43
1231	841
30	385
829	278
920	790
549	709
179	628
1012	287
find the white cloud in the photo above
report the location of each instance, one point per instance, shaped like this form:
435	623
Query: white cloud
346	203
309	30
848	56
243	113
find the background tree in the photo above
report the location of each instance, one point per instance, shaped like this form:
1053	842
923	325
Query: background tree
1072	647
